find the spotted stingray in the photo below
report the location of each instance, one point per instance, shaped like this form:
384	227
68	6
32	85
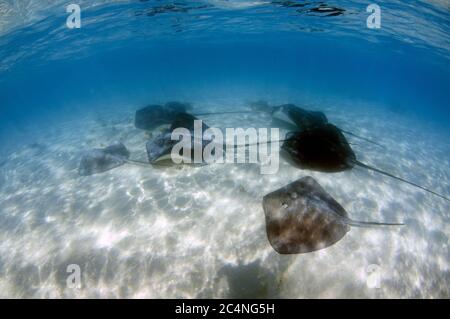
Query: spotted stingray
302	217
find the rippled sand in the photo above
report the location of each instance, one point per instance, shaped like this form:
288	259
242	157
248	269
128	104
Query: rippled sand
199	232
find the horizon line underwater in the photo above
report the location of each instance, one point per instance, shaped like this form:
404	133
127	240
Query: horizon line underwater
224	149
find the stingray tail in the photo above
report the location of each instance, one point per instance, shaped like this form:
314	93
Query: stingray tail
370	224
258	143
136	162
400	179
362	138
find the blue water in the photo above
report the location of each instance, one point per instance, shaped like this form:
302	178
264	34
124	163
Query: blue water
391	83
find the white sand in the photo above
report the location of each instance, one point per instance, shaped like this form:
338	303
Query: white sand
199	232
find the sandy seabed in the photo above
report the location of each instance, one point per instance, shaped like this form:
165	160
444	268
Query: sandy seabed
200	232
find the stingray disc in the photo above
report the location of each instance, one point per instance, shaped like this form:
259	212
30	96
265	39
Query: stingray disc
160	147
185	120
323	148
102	160
152	116
301	217
301	118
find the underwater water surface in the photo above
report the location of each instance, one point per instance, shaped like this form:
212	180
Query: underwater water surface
146	232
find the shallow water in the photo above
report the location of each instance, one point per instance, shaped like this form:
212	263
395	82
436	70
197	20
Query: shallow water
200	232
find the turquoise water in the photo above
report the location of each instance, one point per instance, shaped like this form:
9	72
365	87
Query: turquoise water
141	232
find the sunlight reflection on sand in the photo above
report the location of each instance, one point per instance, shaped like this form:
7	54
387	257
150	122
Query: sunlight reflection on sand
200	232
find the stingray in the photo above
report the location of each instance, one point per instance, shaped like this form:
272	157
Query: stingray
304	119
160	147
302	217
185	120
297	118
181	106
325	149
102	160
153	116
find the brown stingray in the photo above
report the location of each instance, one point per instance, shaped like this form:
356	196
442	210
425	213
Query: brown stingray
301	217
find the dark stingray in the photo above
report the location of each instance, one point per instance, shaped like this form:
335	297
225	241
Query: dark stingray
302	217
102	160
185	120
296	118
152	116
301	118
180	106
325	149
304	119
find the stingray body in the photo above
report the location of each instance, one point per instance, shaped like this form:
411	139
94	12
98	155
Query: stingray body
301	118
179	106
185	120
322	148
152	116
295	118
325	149
102	160
160	148
302	217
